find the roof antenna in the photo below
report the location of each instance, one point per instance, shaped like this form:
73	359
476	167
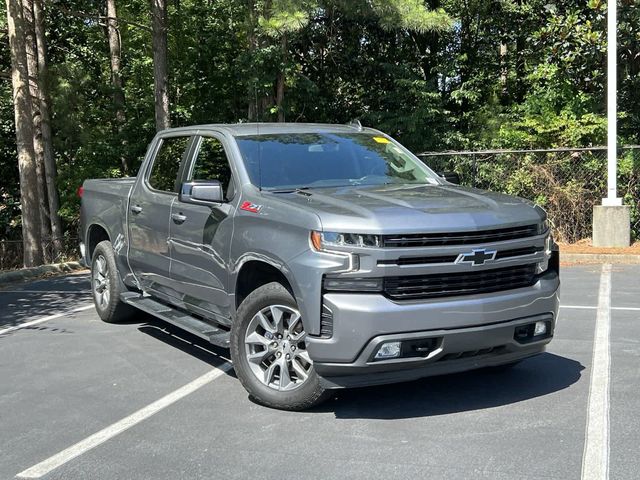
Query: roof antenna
355	123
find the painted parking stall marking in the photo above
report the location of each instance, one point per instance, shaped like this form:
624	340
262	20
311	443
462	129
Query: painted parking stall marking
595	459
44	319
111	431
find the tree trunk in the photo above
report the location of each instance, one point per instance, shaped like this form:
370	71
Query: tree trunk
32	68
50	169
281	79
32	246
160	75
520	83
113	34
252	94
280	96
504	69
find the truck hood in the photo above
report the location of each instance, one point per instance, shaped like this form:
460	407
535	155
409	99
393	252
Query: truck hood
413	208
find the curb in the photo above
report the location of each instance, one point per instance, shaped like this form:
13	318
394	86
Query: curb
34	272
613	258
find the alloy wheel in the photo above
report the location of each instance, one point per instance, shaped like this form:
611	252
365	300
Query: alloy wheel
275	348
101	282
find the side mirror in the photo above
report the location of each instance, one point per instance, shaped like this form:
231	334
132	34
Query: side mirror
202	192
451	177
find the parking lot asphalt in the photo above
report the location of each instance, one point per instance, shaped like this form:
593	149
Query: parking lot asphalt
64	379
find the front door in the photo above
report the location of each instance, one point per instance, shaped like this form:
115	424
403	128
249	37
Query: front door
149	215
200	235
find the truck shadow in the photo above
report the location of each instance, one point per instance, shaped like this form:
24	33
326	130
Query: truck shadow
475	390
186	342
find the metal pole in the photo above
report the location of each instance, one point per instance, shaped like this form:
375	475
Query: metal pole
612	79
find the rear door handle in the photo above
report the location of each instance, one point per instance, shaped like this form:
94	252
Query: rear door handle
136	208
178	217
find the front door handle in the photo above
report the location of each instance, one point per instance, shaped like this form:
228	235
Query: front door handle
178	217
136	209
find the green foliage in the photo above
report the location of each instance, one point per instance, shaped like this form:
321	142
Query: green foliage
410	15
285	16
436	74
553	114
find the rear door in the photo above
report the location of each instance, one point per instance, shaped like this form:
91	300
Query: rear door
200	235
149	214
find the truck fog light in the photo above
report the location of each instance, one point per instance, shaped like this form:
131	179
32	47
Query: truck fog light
540	329
388	350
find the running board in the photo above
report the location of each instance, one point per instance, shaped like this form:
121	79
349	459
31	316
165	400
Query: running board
176	317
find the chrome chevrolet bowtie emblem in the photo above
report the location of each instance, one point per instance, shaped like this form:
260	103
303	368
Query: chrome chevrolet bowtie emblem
477	257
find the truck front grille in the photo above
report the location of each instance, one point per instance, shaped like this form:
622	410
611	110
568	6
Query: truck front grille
459	238
500	255
460	283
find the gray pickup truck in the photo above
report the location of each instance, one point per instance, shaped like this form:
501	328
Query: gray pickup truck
323	256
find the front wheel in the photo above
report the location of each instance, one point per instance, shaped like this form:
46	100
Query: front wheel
269	352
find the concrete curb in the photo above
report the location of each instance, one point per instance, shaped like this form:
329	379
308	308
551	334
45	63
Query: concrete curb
614	258
34	272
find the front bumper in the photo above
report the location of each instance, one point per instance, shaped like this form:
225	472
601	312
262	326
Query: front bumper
470	332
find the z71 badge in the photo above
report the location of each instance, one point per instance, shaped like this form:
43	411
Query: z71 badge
251	207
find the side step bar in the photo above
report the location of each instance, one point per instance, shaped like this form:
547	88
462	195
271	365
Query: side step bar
180	319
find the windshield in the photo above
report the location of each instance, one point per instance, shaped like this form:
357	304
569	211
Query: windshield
299	160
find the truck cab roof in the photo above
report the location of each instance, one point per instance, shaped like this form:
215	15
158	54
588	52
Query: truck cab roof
244	129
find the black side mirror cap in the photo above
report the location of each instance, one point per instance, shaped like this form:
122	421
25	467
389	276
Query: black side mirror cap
202	192
451	177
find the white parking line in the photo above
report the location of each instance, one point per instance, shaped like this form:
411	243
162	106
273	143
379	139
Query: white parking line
588	307
44	319
53	292
111	431
595	458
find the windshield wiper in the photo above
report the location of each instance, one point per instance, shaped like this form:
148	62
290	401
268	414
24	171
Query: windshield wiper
289	190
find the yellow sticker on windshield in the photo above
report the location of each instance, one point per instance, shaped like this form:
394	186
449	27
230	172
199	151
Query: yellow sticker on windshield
381	140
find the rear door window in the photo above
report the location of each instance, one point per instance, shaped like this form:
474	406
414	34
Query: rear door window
166	165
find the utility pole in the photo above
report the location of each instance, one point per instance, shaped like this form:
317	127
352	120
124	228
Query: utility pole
612	220
612	107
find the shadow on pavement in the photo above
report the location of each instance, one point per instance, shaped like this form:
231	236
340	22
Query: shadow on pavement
184	341
24	302
475	390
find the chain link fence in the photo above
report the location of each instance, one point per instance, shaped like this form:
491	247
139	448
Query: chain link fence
567	182
11	252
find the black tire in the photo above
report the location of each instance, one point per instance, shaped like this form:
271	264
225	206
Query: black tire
308	394
109	307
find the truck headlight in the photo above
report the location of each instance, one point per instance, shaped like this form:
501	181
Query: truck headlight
544	226
326	240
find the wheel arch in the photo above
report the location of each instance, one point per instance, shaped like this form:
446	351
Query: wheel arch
255	273
96	233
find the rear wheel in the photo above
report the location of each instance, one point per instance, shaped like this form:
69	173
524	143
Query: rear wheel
269	351
106	285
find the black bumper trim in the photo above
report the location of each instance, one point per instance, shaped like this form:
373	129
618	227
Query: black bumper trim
335	377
